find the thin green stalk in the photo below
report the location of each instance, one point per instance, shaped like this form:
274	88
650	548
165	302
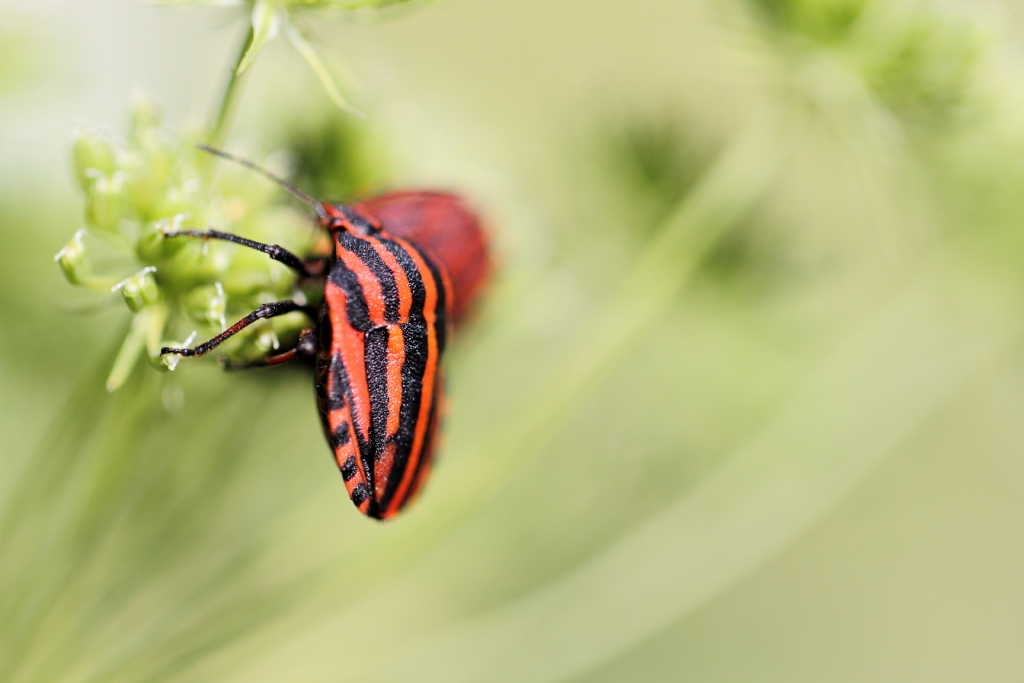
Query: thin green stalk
230	91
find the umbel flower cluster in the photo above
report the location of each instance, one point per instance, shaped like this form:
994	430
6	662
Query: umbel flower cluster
179	288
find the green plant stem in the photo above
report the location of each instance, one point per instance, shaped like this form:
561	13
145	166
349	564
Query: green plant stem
230	91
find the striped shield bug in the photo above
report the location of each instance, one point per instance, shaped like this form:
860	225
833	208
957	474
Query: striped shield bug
404	267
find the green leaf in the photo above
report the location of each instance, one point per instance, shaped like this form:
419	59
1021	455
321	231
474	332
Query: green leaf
264	27
319	68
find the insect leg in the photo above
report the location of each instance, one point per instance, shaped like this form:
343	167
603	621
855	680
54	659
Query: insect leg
304	348
272	250
271	310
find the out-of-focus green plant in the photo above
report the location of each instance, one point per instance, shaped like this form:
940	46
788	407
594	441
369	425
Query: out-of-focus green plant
917	60
267	19
335	157
824	22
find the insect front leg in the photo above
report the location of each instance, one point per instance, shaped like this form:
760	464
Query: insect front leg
274	251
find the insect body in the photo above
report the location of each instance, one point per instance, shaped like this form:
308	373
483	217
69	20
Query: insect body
380	333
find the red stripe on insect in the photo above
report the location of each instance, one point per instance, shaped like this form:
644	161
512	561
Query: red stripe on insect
429	378
353	354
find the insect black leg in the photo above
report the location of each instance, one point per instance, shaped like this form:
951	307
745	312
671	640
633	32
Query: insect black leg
304	348
265	311
272	250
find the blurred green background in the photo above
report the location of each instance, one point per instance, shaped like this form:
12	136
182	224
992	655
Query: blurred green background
745	400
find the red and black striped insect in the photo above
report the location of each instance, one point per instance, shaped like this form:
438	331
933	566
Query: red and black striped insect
405	266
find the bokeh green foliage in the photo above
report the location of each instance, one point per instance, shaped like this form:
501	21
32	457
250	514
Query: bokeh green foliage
825	22
732	331
336	158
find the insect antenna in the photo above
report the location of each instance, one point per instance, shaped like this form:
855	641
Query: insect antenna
317	206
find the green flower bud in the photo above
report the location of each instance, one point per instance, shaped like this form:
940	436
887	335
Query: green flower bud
91	152
179	199
208	305
170	361
73	260
152	245
105	203
160	154
147	172
140	289
145	114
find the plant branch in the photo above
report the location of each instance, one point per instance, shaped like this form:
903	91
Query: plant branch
224	112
